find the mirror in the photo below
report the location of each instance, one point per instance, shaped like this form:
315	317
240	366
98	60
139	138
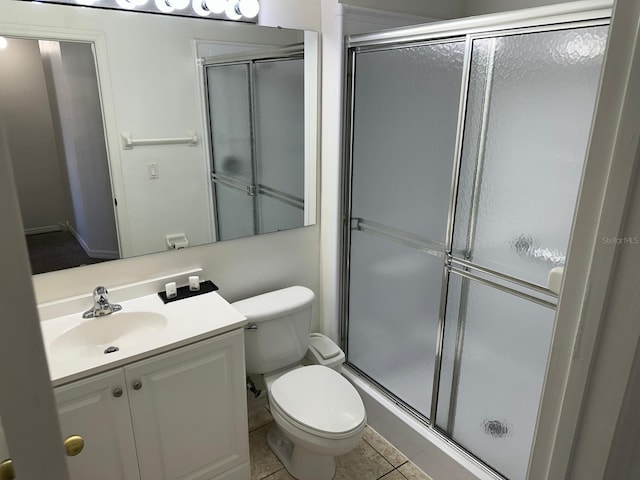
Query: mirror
145	129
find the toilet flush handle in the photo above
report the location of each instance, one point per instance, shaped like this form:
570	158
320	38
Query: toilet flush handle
251	326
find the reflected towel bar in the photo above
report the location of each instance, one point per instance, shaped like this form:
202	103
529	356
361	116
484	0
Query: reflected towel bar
128	142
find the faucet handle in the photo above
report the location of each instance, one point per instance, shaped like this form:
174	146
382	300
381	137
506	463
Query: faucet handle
101	305
100	293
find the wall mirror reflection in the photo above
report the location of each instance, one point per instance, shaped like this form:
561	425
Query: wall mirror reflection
256	130
126	140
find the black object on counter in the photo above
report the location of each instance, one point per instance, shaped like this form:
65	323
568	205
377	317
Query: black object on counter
183	292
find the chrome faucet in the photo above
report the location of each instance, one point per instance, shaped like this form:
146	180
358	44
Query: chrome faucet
101	305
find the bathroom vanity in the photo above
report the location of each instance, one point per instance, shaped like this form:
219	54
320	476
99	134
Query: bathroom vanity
169	403
180	414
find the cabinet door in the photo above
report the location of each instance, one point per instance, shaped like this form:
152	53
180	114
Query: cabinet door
90	409
189	410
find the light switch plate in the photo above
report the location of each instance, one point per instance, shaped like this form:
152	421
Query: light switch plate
152	168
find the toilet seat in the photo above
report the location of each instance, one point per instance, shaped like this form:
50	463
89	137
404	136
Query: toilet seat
318	400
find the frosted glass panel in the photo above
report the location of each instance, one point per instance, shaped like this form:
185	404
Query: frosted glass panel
536	94
505	343
235	213
229	113
279	111
406	106
393	316
276	215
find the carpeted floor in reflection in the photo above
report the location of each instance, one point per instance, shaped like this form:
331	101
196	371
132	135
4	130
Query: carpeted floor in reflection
56	251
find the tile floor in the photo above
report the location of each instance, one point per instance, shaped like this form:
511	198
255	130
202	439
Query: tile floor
373	458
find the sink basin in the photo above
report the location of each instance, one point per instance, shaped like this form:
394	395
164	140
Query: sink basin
120	330
77	348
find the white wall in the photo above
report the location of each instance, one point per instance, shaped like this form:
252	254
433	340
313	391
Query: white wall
357	20
448	9
480	7
426	8
303	15
24	100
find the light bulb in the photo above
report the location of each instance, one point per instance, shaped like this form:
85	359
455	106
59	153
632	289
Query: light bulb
126	4
216	6
163	6
249	8
179	4
231	11
3	43
200	8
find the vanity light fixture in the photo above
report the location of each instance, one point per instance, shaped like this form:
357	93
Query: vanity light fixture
216	6
126	4
178	4
200	7
164	6
236	10
249	8
232	10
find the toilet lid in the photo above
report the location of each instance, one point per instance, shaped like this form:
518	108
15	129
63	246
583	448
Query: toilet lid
320	399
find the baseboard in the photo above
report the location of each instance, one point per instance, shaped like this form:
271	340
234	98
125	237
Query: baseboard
46	229
107	254
241	472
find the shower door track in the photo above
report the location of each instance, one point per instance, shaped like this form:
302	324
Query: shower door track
440	433
558	17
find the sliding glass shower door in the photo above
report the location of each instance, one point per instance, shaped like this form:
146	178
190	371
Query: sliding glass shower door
465	162
232	150
402	168
529	108
256	132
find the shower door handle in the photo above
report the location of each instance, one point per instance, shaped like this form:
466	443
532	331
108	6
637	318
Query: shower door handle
233	183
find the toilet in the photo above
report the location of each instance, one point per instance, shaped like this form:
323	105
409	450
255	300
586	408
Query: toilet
318	414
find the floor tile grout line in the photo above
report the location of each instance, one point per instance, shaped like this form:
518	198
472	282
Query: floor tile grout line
383	442
253	429
394	470
272	473
382	454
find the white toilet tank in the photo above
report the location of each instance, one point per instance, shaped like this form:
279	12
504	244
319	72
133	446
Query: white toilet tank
277	334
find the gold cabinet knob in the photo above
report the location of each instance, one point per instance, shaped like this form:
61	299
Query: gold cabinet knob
73	445
6	470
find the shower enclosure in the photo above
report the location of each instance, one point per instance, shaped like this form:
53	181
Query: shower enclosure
464	153
256	136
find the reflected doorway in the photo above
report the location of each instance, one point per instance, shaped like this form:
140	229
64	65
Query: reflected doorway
50	100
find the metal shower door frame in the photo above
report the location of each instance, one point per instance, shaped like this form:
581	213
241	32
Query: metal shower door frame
593	13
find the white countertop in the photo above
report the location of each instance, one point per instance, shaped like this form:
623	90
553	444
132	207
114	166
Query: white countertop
187	321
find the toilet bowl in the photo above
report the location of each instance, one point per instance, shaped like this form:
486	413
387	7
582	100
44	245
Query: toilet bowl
317	413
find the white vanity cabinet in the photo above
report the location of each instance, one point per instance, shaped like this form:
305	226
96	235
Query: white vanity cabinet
178	415
97	409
